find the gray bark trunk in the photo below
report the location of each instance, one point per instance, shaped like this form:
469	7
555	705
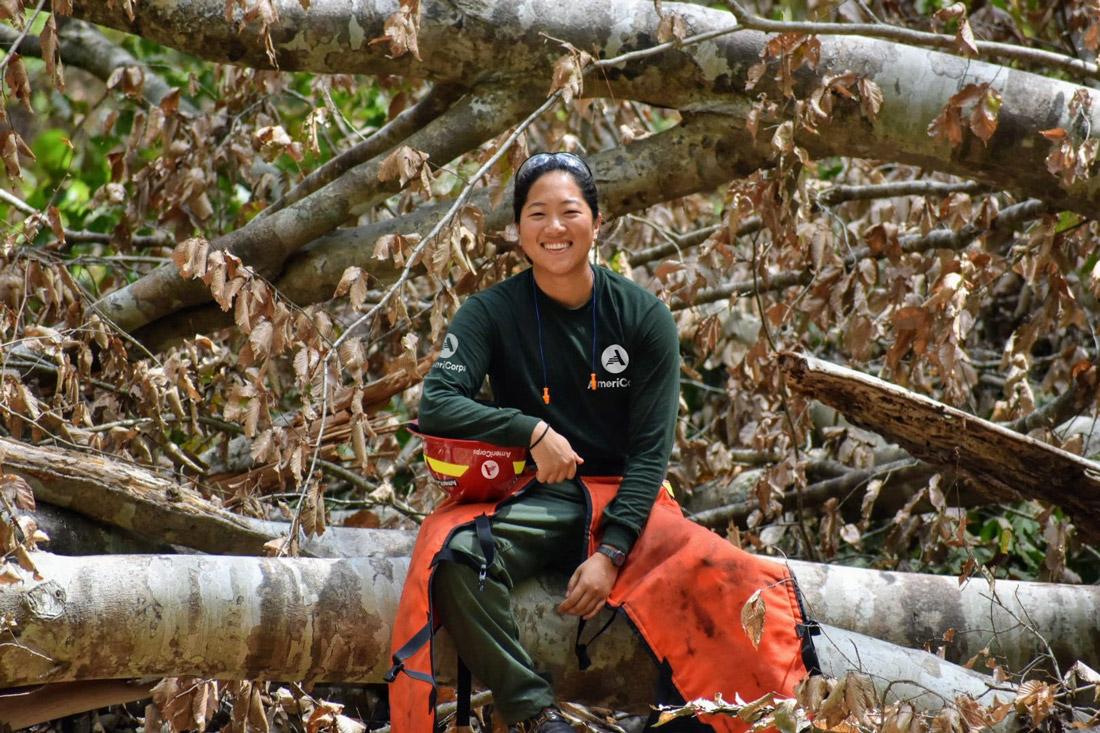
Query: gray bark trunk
329	620
506	36
99	618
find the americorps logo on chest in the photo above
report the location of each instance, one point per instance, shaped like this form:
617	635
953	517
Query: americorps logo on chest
615	359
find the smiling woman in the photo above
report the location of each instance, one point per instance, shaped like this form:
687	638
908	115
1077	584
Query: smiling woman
557	227
584	369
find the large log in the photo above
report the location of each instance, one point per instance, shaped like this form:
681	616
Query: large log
329	620
1011	465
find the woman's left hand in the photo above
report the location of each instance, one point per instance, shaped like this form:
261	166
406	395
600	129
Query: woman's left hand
589	587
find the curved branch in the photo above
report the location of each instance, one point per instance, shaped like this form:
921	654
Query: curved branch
82	46
265	242
631	178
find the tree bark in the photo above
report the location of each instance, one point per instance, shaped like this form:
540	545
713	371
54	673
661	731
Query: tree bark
509	37
329	620
1010	464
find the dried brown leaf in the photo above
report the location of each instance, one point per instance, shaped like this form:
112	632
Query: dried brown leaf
870	98
51	53
129	79
568	75
190	257
186	703
403	164
834	708
859	696
17	490
15	76
965	42
984	115
752	617
951	12
12	10
23	557
401	30
948	125
58	229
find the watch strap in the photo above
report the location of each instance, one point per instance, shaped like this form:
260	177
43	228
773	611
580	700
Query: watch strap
614	554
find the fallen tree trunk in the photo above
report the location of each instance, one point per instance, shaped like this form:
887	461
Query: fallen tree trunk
510	36
329	620
24	708
919	678
1009	464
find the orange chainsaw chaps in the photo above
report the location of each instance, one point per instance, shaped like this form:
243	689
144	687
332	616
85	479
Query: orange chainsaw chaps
682	588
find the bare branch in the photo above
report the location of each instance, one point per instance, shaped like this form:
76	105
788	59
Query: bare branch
1072	402
18	203
72	236
837	194
815	494
943	41
438	99
939	239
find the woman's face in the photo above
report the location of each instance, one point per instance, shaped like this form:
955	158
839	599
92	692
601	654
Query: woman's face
556	228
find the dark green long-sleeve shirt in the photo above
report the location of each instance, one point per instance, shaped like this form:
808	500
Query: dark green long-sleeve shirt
625	427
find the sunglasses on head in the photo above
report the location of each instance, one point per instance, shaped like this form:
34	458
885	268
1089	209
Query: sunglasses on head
569	160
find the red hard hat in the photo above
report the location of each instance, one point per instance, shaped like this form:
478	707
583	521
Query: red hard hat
472	470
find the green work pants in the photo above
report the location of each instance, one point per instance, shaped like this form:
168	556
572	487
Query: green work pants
541	530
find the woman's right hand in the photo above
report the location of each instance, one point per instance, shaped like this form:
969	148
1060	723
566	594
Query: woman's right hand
556	459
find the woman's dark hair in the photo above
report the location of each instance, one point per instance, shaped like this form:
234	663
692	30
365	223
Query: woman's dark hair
539	164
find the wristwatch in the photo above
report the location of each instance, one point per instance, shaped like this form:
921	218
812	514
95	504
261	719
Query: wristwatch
614	554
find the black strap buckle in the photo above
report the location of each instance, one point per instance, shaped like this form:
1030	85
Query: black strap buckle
488	547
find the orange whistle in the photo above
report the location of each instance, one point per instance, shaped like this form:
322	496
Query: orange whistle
546	395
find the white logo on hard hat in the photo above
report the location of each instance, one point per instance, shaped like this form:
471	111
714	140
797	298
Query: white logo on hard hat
450	346
490	469
615	359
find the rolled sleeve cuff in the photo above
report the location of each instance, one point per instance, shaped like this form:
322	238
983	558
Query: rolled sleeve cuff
619	536
520	428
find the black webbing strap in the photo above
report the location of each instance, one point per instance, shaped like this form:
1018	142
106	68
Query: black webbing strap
484	531
462	695
807	630
581	649
488	547
410	647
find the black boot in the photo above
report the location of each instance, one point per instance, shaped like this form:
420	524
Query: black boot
550	720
